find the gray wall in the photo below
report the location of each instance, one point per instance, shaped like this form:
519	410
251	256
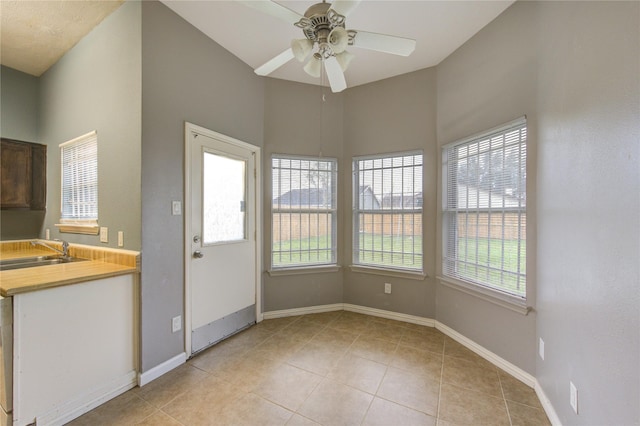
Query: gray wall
186	77
19	121
19	108
97	86
489	81
298	122
393	115
589	209
573	69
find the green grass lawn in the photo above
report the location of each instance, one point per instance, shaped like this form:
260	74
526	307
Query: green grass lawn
313	250
491	256
482	259
374	250
394	251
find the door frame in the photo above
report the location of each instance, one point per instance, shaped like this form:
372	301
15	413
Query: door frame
189	129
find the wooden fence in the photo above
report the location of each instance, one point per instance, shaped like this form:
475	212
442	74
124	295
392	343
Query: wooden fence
391	223
287	226
498	226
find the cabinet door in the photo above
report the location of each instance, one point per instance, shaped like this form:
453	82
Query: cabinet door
16	175
38	177
23	175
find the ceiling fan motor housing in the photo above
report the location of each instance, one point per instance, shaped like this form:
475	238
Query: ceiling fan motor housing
318	22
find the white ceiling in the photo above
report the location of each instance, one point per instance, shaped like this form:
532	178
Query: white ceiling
439	27
35	34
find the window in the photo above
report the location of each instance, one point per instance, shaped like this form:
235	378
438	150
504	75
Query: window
224	196
79	168
387	211
303	222
484	217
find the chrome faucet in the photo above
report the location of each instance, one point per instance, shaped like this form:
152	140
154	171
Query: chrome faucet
65	247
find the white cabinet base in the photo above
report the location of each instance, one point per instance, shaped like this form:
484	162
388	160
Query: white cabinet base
75	347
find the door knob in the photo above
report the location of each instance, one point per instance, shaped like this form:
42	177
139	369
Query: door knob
198	254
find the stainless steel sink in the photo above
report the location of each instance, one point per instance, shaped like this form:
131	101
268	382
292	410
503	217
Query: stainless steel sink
30	262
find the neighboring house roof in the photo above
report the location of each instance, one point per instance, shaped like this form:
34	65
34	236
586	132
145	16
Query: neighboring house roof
474	197
304	197
402	201
367	199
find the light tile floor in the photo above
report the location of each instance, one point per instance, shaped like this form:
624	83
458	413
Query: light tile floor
335	368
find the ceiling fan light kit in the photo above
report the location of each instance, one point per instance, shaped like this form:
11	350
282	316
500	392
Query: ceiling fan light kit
326	39
314	66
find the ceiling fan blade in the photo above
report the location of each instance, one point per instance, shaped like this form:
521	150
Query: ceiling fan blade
275	63
383	43
344	7
335	74
274	9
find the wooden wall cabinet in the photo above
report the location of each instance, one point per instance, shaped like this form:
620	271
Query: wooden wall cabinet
23	175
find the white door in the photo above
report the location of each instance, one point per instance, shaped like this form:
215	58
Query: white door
221	237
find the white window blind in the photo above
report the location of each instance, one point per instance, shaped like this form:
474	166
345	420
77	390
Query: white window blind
79	159
387	211
303	220
484	217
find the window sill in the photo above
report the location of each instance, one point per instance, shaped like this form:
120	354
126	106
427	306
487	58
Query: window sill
303	270
76	228
504	300
419	276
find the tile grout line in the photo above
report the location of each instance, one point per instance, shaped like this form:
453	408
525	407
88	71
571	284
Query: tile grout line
386	370
504	398
325	327
444	343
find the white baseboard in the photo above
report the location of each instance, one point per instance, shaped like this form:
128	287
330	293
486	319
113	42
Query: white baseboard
499	362
303	311
159	370
546	404
351	308
428	322
87	402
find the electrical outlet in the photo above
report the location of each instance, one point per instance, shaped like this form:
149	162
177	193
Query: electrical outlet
387	288
104	234
47	234
573	397
176	208
176	323
120	239
541	349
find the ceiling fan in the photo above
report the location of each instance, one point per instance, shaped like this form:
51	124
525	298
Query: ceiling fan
326	39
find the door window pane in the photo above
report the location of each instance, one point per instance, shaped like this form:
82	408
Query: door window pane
223	199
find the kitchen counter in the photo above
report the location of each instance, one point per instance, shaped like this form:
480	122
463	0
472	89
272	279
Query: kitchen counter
100	263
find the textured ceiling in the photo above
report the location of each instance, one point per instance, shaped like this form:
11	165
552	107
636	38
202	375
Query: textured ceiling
35	34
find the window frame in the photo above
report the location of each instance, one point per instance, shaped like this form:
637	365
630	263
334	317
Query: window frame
316	266
79	224
379	268
486	291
